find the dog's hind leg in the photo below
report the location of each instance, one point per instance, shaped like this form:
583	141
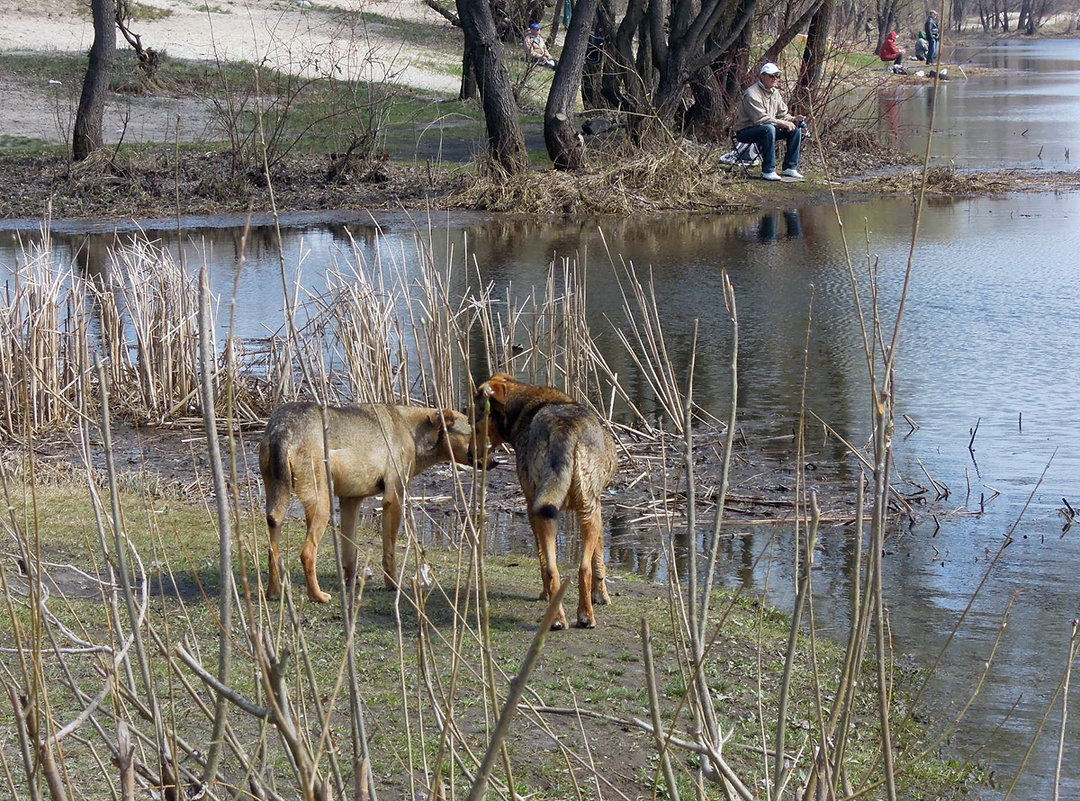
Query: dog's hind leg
278	495
546	530
591	538
535	526
391	522
350	507
599	569
317	511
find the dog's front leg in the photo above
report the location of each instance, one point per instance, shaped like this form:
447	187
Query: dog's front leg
350	507
391	521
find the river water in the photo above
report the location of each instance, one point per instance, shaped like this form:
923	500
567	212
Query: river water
989	341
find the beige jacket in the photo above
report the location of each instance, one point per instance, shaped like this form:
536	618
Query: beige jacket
535	47
760	106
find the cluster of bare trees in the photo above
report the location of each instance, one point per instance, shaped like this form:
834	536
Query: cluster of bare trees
1007	16
661	64
658	64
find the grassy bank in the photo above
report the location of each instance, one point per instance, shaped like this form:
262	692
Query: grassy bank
575	735
324	142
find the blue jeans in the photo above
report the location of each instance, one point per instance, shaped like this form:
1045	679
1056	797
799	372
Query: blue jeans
765	136
931	51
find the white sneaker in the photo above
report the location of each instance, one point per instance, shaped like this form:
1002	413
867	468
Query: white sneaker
770	176
792	173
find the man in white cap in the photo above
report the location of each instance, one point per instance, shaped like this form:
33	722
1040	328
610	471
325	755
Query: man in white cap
764	118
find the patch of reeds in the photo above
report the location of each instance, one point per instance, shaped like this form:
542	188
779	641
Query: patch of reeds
43	344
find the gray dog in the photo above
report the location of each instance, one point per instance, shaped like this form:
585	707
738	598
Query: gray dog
373	449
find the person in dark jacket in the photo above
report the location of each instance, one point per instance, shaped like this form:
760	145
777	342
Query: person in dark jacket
933	34
890	52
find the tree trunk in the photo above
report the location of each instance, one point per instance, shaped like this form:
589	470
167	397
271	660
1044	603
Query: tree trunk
468	76
599	76
814	55
732	67
632	89
563	141
505	137
87	136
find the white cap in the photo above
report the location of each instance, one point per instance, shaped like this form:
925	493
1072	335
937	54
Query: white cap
768	68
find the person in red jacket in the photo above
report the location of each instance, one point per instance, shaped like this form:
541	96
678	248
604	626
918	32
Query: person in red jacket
890	52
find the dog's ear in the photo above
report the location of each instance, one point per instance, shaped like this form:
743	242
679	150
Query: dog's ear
436	418
497	387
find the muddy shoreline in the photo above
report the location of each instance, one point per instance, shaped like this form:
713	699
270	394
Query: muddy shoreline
112	188
172	461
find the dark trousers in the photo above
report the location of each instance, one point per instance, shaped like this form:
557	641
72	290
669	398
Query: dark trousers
765	136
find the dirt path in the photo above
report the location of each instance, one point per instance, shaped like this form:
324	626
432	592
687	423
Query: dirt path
281	34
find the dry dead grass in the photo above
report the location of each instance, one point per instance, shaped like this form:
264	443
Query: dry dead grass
673	176
949	181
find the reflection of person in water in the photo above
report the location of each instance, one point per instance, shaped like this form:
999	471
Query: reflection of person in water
889	102
793	223
768	224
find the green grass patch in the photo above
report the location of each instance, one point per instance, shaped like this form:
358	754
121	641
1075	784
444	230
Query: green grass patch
22	144
141	12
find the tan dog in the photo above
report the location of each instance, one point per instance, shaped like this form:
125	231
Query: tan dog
373	449
565	459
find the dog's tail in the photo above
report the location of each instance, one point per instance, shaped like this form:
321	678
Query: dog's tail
276	462
557	473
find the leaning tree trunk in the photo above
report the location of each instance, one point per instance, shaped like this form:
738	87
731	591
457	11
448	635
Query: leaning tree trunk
814	55
709	109
505	137
560	134
788	34
733	66
87	135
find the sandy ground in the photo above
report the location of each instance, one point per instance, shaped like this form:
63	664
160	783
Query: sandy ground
279	33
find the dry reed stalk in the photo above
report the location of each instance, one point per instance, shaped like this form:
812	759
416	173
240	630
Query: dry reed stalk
1074	644
654	713
644	343
208	391
496	744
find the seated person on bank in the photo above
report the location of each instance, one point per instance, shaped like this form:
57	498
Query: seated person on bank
922	47
764	118
535	49
890	52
